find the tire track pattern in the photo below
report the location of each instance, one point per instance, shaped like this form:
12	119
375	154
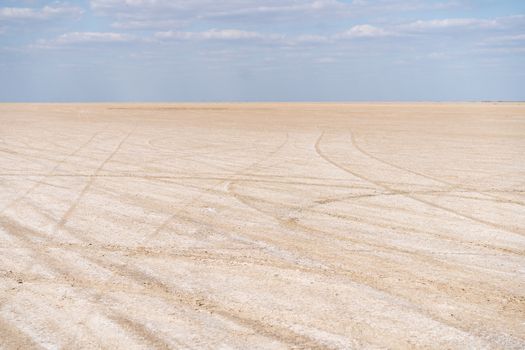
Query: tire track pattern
238	237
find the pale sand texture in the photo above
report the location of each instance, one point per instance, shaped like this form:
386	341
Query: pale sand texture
262	226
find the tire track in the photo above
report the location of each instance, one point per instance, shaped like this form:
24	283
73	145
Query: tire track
250	178
173	216
143	279
423	201
150	286
49	174
68	279
154	286
453	185
366	280
202	302
11	337
203	178
298	209
139	330
88	185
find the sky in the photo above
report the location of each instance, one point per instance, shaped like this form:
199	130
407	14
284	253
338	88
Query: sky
254	50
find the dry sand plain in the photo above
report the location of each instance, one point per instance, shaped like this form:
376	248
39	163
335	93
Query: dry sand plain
262	226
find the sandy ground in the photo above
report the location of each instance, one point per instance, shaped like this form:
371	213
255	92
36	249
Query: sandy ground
262	226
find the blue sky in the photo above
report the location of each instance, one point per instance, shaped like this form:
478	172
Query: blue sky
251	50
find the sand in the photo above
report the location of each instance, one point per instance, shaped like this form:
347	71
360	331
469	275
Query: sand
270	226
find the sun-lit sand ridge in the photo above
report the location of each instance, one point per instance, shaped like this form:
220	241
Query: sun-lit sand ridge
262	226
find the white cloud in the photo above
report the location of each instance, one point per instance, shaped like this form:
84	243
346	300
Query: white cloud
273	8
175	14
364	31
447	23
139	24
359	31
216	34
193	20
78	38
45	13
224	7
508	38
504	42
246	7
159	13
92	37
312	39
244	36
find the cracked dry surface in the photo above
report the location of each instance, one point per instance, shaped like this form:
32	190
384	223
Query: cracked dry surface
269	226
